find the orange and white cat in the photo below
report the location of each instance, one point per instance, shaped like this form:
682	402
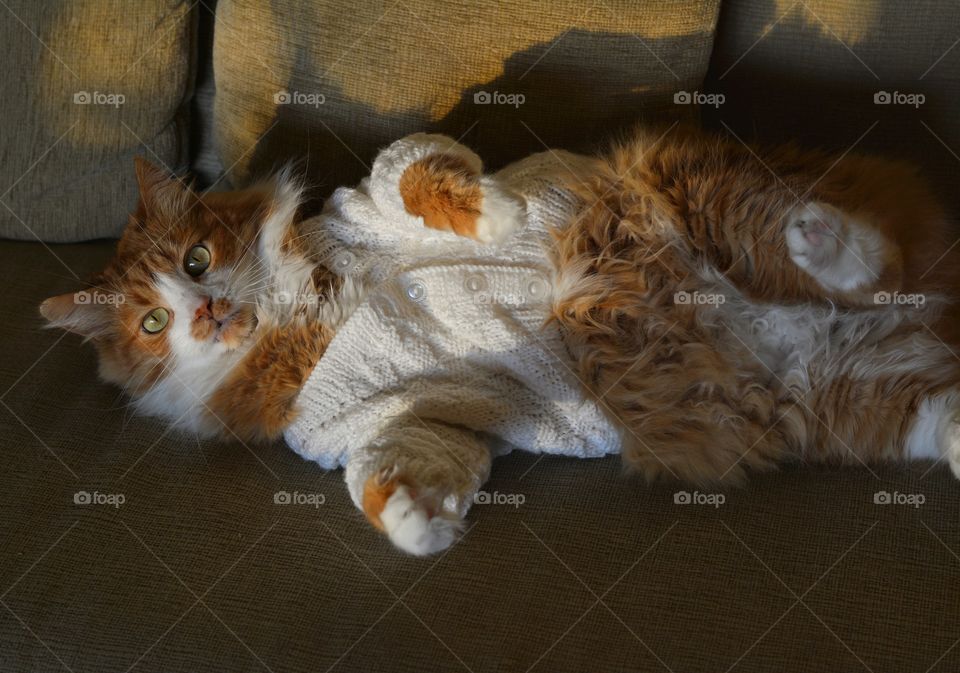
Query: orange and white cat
728	308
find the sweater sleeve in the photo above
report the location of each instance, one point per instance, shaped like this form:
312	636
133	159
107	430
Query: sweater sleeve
444	464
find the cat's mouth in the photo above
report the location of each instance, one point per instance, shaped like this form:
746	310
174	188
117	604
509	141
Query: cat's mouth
220	321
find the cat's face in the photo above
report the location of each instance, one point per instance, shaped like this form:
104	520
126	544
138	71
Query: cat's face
179	304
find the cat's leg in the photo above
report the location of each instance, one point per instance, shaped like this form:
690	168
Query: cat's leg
888	418
935	430
416	482
449	193
899	401
896	399
842	253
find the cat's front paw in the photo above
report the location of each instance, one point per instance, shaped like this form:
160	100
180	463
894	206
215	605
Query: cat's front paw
839	252
414	524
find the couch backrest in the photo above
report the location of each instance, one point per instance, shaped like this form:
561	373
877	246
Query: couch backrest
336	81
854	75
86	85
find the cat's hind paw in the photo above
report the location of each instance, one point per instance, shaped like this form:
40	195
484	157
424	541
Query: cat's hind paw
840	253
951	445
414	525
412	528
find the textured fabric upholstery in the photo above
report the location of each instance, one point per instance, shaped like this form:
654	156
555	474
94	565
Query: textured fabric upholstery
88	84
359	78
810	71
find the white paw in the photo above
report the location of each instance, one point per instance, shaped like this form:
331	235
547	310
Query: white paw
951	445
501	213
840	253
411	528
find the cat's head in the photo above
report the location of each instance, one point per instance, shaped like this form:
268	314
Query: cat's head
193	278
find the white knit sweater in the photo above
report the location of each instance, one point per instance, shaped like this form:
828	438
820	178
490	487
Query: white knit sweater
450	342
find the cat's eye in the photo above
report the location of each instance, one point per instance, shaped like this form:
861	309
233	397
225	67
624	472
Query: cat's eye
197	260
156	320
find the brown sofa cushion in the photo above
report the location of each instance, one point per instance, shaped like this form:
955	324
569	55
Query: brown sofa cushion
87	83
361	77
810	71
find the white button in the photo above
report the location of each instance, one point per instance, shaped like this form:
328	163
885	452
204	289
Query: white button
475	282
344	262
416	290
537	289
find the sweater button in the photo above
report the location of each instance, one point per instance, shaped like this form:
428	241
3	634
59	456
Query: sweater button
475	282
344	262
416	290
537	289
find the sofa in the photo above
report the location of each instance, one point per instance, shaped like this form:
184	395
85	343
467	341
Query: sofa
125	546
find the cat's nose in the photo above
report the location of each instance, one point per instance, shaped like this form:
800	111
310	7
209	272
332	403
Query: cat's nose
205	310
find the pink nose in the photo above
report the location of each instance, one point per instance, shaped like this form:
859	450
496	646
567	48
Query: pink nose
205	310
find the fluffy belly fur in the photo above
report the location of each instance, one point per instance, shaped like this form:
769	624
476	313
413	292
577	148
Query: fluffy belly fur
732	313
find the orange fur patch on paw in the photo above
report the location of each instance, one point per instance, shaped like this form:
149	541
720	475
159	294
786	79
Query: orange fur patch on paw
376	491
443	191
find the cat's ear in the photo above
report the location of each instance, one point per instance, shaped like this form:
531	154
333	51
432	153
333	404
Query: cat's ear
161	194
87	313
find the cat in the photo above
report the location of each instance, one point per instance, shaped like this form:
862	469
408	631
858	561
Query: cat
739	307
727	308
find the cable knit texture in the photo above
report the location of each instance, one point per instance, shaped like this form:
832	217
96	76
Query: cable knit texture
448	359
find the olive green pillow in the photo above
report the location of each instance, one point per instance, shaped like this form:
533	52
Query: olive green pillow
330	84
87	85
